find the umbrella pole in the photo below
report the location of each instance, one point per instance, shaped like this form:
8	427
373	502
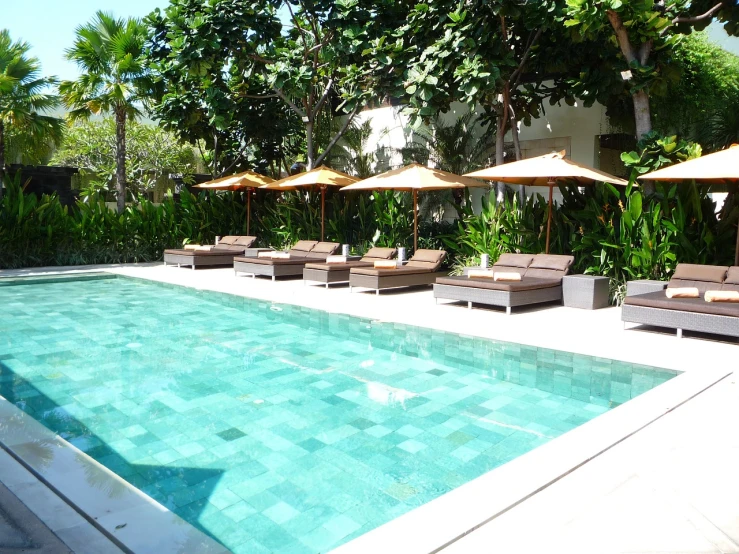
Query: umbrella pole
415	220
736	254
248	209
549	216
323	208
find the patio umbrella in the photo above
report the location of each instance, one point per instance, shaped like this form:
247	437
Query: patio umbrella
718	168
415	177
247	180
321	176
546	170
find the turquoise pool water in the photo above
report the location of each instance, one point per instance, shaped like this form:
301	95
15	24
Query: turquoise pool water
277	428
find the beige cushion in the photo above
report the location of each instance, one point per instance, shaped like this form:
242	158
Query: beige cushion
324	248
685	292
432	256
697	272
483	273
722	296
385	264
379	253
551	261
515	260
305	245
503	276
732	277
245	241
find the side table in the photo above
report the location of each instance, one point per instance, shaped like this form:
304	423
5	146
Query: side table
588	292
643	286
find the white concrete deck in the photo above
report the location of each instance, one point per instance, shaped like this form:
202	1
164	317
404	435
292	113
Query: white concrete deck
668	487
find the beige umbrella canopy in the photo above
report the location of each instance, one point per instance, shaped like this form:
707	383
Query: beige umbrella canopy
717	168
415	177
546	171
247	180
321	176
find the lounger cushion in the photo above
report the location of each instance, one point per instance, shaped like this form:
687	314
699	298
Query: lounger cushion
325	247
228	239
552	261
304	245
732	277
378	253
695	305
245	241
509	269
269	261
228	248
346	266
696	272
427	259
508	286
514	260
405	270
203	253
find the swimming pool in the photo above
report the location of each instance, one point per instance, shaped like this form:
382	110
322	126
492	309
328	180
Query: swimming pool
279	428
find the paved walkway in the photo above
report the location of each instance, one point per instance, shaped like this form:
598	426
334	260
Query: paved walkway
671	487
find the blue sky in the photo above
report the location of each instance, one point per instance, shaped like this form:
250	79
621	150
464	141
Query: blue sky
49	25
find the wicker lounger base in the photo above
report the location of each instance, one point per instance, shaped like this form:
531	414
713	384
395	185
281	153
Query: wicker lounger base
268	270
377	284
506	299
199	261
326	277
680	320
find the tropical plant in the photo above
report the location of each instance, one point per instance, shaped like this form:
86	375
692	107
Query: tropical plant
27	133
151	153
115	79
655	151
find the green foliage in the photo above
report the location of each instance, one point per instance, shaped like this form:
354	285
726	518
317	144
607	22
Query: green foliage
151	153
655	151
27	133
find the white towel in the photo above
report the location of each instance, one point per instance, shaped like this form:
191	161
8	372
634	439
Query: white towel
479	273
507	276
336	260
722	296
385	264
682	292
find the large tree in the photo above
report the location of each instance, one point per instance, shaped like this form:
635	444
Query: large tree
114	79
24	103
234	57
642	34
491	54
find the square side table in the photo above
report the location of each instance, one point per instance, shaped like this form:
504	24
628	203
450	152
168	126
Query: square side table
588	292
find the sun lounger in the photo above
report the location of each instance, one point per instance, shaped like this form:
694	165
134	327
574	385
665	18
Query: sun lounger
327	273
541	281
222	253
305	251
421	269
691	314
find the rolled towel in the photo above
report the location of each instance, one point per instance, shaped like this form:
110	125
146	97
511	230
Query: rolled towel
198	247
385	264
684	292
280	255
507	276
336	260
479	273
266	254
722	296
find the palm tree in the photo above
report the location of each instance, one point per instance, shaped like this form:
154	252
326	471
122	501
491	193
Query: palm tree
24	101
115	79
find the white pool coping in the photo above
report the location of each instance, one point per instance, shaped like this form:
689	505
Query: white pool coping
441	522
127	516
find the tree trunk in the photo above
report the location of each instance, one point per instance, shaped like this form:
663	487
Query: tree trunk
643	121
500	157
120	158
2	159
309	145
517	149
